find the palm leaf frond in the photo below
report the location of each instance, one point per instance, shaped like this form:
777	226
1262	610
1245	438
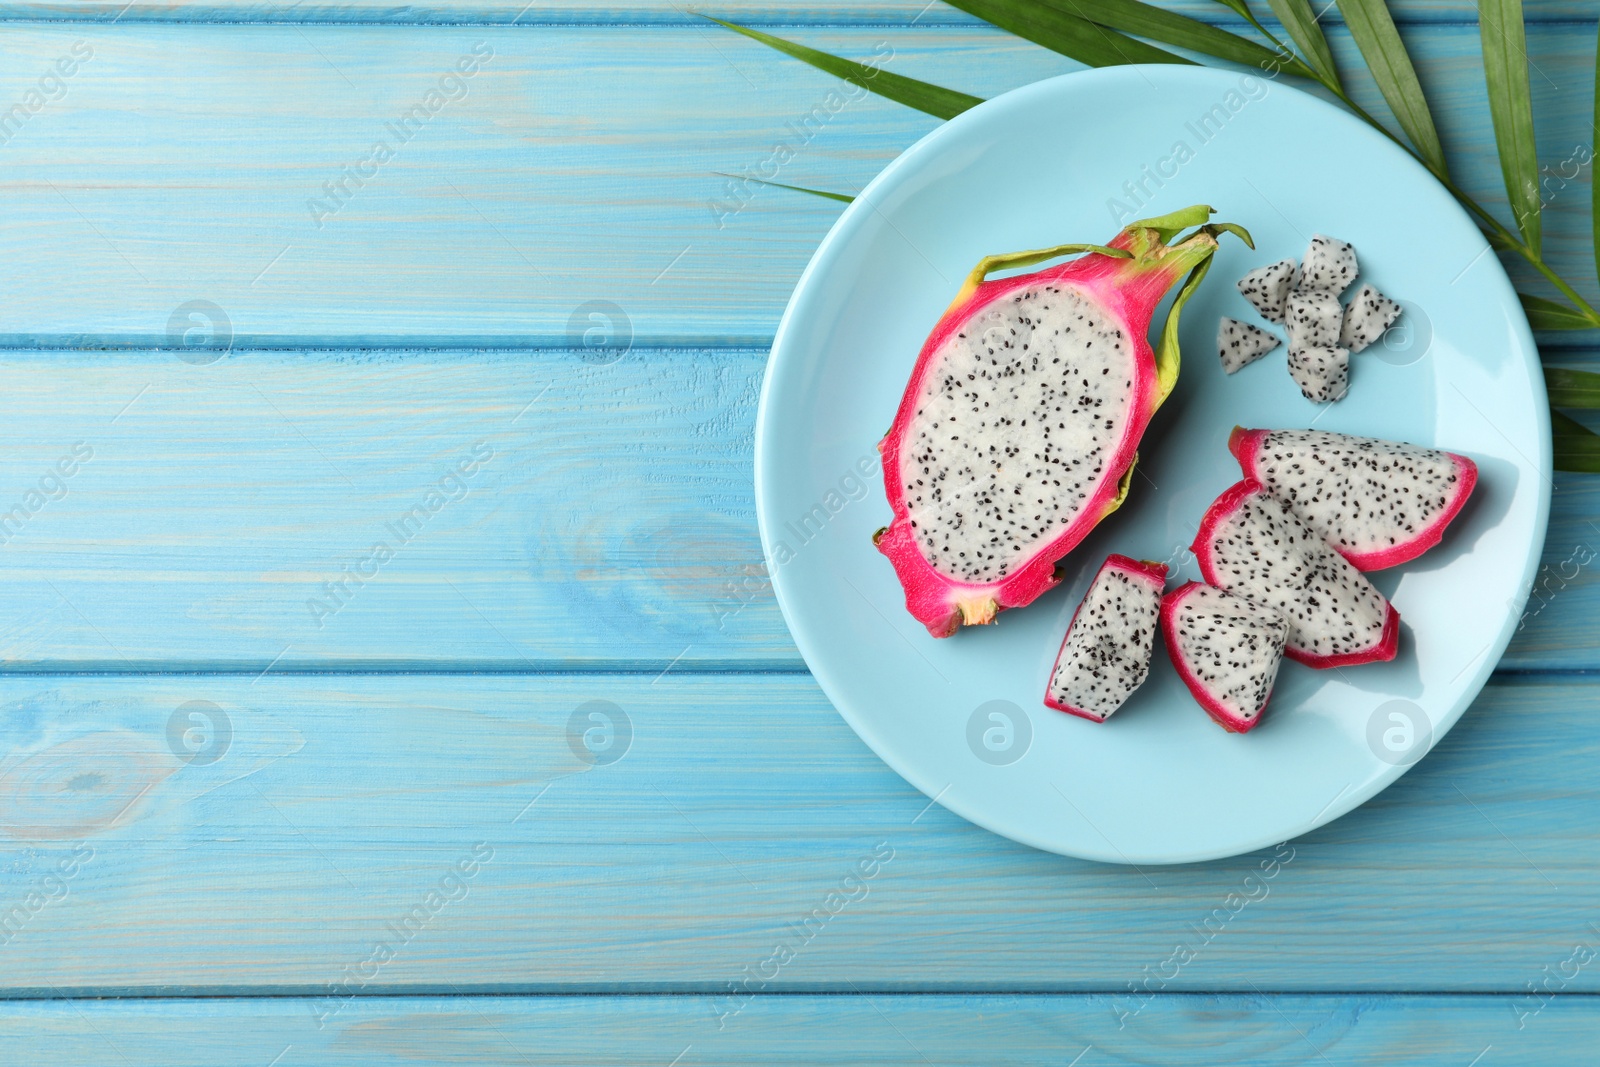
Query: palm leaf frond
925	97
1505	68
1375	34
1577	448
1301	22
1548	315
1060	30
843	198
1572	388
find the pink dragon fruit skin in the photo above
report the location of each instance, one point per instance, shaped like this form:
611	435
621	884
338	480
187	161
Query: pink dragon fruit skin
1436	476
1252	640
1335	585
1129	665
1123	283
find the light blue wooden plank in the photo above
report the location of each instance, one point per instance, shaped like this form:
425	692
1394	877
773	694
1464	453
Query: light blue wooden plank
867	1030
613	523
182	162
741	803
657	12
229	514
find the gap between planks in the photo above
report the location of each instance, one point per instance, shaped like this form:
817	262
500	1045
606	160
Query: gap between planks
699	991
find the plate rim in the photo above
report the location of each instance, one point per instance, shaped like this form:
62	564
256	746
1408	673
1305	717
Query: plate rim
841	230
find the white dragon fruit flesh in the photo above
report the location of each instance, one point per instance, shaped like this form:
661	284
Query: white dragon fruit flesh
1378	503
1329	266
1106	653
1366	317
1322	373
1240	344
1226	649
1018	430
1268	287
1251	545
1313	320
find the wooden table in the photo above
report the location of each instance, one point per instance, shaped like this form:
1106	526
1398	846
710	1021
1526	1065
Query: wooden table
292	800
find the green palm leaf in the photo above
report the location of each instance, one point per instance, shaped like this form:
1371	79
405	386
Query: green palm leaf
931	99
1577	448
1572	388
1375	34
1505	68
1238	7
1594	186
1169	27
843	198
1298	18
1048	24
1548	315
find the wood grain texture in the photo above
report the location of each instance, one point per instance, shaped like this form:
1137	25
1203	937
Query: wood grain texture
228	515
184	162
1005	1031
236	807
736	821
664	12
610	519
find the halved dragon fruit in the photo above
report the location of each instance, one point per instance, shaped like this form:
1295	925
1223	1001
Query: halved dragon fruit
1267	288
1241	344
1378	503
1106	653
1251	545
1017	432
1329	266
1226	649
1322	373
1366	317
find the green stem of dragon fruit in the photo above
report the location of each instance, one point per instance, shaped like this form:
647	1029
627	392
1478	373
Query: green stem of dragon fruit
1499	236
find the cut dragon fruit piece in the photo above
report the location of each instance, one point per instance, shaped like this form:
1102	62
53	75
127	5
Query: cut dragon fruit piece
1268	287
1313	320
1226	649
1106	653
1378	503
1240	344
1251	545
1323	374
1017	432
1329	266
1366	317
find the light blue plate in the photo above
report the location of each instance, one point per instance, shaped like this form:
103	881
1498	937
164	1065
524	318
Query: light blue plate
1071	159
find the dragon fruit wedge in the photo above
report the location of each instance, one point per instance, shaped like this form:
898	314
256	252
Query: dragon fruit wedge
1377	503
1251	545
1241	344
1322	373
1017	431
1329	266
1106	653
1226	649
1366	317
1267	288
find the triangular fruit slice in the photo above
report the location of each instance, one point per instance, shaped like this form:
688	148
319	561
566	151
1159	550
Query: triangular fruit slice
1329	266
1226	649
1322	373
1251	545
1106	653
1241	344
1368	315
1377	503
1267	288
